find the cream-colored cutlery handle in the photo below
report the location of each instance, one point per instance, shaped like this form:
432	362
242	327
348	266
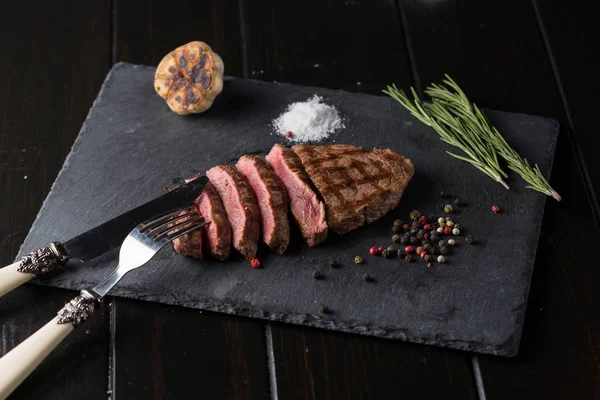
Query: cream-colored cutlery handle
17	364
10	278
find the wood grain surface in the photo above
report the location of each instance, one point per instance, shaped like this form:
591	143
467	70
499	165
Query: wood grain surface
532	56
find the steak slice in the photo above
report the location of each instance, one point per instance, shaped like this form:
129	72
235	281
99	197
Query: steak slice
357	185
240	205
308	210
189	244
217	234
272	201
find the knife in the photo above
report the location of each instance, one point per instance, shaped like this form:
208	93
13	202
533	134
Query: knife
96	241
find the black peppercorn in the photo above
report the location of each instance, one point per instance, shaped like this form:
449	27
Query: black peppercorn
416	224
413	240
424	241
469	239
316	274
420	234
398	222
404	239
391	250
427	258
431	217
401	253
397	228
434	237
367	278
334	264
426	246
324	309
443	194
442	243
443	250
408	258
457	202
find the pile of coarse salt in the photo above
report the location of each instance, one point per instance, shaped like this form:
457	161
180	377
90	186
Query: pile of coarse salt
309	121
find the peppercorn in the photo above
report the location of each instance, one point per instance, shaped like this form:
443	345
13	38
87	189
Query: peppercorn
334	264
413	240
420	234
443	250
448	219
426	246
451	242
374	251
450	224
495	209
391	252
404	239
424	241
443	194
255	263
409	249
397	228
457	202
457	226
324	309
408	258
398	222
367	278
441	206
380	249
289	134
316	274
428	265
469	239
384	253
396	238
447	230
427	258
431	217
419	250
415	224
422	219
401	253
358	260
434	251
434	237
426	237
456	231
414	214
427	227
422	254
441	259
406	227
442	224
441	220
440	230
448	208
414	231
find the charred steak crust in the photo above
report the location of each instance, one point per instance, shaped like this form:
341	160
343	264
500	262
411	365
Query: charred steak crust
189	244
240	205
217	234
358	186
272	201
308	210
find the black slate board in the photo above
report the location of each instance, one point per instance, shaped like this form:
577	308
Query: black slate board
131	146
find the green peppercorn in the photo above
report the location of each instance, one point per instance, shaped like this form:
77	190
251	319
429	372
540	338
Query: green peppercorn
396	238
415	214
358	260
397	228
391	249
448	208
398	222
324	309
469	239
384	253
414	231
408	258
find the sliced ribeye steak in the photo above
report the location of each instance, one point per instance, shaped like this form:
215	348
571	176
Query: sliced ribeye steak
240	205
358	186
308	210
189	244
272	201
217	234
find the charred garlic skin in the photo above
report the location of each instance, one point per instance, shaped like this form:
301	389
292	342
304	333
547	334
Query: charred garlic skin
189	78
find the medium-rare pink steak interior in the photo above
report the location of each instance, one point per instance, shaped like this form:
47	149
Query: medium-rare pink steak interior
358	186
272	201
307	209
240	205
217	234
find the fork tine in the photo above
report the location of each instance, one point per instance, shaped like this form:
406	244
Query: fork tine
174	236
162	231
165	218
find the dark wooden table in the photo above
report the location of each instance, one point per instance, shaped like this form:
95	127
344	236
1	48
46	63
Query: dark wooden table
537	57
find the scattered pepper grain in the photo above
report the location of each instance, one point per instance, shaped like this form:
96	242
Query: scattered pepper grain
358	260
448	208
469	239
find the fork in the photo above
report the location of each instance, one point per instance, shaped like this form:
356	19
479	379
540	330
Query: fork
140	245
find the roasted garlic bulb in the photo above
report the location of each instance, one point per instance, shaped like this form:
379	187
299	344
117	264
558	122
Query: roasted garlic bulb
189	78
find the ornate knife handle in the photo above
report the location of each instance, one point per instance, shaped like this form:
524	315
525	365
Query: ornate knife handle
32	265
17	364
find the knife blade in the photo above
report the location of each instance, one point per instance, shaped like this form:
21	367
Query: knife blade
98	240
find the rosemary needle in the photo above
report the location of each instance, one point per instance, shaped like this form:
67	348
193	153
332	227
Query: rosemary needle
453	131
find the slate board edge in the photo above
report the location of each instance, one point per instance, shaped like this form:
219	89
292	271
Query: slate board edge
507	349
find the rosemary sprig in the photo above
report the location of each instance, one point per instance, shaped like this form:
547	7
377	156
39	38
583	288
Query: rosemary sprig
453	131
462	124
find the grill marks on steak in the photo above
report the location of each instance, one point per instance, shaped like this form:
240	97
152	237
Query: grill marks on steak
358	186
307	209
240	205
272	201
217	234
